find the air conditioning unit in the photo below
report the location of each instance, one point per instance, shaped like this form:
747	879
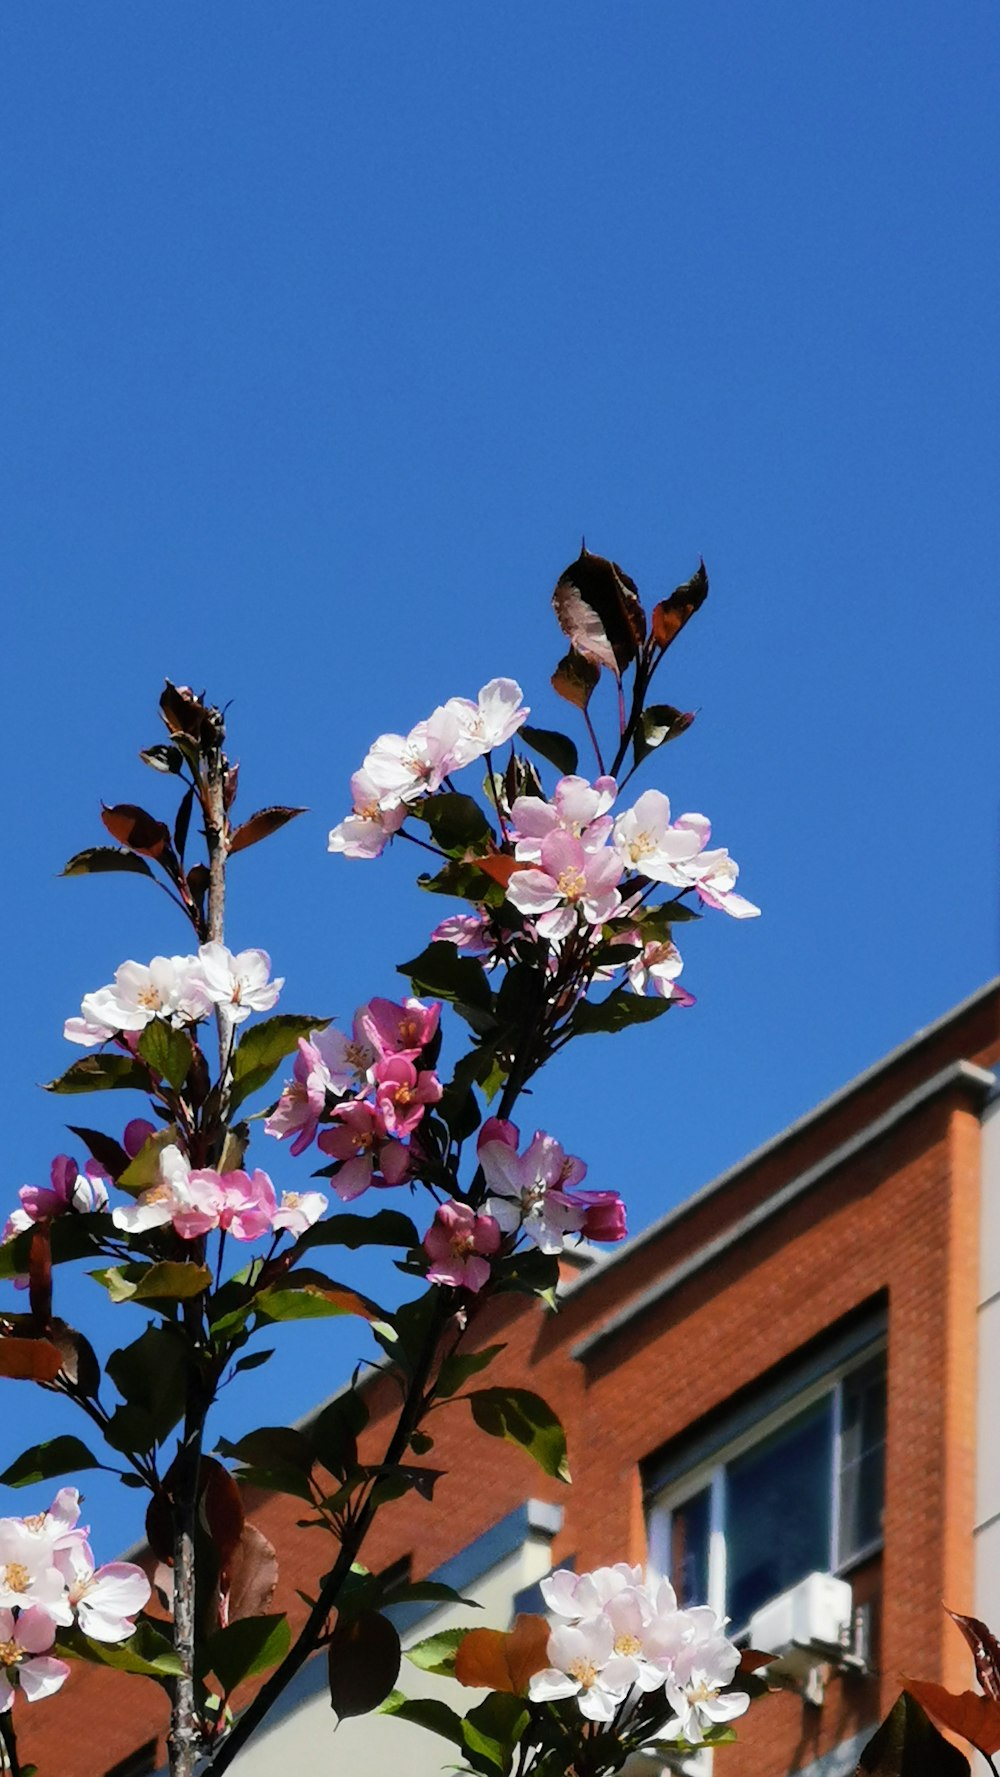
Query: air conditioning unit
804	1627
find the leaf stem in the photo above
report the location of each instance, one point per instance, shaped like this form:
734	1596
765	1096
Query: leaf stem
11	1762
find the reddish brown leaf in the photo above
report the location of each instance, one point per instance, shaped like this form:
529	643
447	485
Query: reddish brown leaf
575	679
498	867
79	1360
364	1656
670	615
40	1274
985	1649
751	1660
221	1510
29	1360
975	1717
252	1575
261	825
182	711
503	1660
598	608
137	829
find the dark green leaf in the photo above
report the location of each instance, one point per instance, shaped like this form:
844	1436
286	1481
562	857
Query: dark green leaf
333	1434
617	1011
461	1365
557	748
909	1745
247	1647
364	1657
168	1052
150	1375
441	971
437	1653
253	1361
493	1728
656	922
465	880
58	1456
457	823
106	1151
387	1227
272	1443
101	1073
426	1712
71	1237
522	1418
99	860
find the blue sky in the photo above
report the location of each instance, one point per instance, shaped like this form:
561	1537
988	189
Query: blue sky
329	330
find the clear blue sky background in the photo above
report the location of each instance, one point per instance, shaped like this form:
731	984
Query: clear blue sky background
328	330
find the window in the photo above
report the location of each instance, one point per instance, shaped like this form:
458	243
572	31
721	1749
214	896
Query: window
799	1492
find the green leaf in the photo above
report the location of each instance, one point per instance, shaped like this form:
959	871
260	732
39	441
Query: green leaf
656	922
150	1375
617	1011
333	1434
388	1227
252	1361
441	971
147	1652
493	1728
522	1418
58	1456
101	1073
308	1295
246	1647
98	860
143	1170
909	1745
169	1052
457	823
71	1237
437	1652
263	1047
550	744
463	879
426	1712
461	1365
171	1280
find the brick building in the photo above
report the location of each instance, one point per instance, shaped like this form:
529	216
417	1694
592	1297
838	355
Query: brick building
780	1377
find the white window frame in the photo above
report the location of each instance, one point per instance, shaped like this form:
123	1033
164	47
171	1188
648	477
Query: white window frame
711	1474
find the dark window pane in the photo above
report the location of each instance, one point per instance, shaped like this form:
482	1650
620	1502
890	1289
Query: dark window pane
778	1512
689	1529
862	1458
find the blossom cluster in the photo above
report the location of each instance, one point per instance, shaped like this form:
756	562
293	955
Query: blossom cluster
618	1637
534	1193
400	769
200	1200
179	989
68	1192
48	1581
371	1089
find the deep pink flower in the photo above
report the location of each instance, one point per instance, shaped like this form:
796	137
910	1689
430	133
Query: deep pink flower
401	1093
233	1202
569	879
137	1134
360	1140
303	1099
399	1029
456	1244
603	1215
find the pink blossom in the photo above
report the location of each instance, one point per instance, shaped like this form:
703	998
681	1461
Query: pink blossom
22	1641
603	1215
303	1099
467	931
399	1029
578	808
570	879
105	1599
366	832
137	1134
28	1574
240	982
456	1244
528	1192
647	841
402	1093
348	1060
494	718
168	987
166	1201
234	1202
298	1210
370	1156
404	768
658	964
713	876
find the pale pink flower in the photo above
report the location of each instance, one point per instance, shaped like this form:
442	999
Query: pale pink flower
167	1200
168	987
28	1574
240	982
298	1210
575	1595
370	1156
646	841
303	1099
405	767
570	880
658	965
106	1599
59	1527
402	1093
467	931
458	1243
578	808
494	718
584	1665
399	1029
713	876
366	832
234	1202
528	1191
85	1031
22	1641
348	1060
